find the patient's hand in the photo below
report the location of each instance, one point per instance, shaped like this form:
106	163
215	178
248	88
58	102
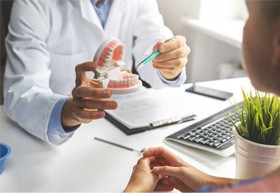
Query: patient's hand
180	174
88	101
142	179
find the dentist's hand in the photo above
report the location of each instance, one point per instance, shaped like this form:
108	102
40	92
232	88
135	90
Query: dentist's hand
88	100
173	57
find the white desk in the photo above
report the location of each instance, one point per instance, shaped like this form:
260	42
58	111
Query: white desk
83	164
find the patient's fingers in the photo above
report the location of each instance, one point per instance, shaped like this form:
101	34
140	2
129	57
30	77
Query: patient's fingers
161	152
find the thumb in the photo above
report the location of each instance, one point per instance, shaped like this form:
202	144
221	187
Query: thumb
158	45
169	171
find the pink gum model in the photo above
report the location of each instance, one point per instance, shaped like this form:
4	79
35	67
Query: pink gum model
113	50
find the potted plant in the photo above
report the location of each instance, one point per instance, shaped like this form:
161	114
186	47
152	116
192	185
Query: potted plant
257	135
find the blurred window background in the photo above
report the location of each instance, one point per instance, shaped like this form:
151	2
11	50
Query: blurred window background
213	29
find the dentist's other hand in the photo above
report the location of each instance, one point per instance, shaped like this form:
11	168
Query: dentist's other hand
173	57
88	100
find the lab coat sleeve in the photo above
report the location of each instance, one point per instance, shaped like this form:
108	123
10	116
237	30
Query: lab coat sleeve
149	28
28	98
56	133
174	83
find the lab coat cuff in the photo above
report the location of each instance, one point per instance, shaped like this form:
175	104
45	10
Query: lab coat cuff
177	82
56	133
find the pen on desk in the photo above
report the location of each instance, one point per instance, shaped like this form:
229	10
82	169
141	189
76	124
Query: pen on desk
121	146
173	120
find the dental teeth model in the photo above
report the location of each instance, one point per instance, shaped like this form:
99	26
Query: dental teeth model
109	57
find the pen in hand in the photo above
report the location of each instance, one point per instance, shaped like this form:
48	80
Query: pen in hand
149	58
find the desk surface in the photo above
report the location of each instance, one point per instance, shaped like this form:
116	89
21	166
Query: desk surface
83	164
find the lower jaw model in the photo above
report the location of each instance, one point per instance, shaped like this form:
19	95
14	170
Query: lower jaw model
109	57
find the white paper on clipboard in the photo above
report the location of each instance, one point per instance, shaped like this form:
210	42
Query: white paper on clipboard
145	106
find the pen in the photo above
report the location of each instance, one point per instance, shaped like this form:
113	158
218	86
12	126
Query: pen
172	120
148	59
118	145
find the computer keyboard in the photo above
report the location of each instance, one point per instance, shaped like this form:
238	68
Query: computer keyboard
213	134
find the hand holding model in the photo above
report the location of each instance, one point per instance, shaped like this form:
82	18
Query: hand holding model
89	100
40	69
173	57
90	96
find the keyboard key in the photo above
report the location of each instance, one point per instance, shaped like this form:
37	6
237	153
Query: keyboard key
198	140
205	141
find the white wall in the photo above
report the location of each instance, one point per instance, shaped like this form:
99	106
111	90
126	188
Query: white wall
222	9
173	10
207	56
207	52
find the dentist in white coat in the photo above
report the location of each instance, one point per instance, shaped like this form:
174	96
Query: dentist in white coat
46	87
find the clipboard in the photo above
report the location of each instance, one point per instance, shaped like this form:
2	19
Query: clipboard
149	109
124	128
156	125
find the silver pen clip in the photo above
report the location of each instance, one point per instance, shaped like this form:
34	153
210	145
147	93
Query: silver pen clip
171	121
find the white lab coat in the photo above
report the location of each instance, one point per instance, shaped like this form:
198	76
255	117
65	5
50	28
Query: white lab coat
47	39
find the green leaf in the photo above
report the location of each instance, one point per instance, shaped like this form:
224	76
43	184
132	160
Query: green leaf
259	117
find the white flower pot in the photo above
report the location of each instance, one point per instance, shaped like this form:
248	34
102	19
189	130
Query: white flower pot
254	159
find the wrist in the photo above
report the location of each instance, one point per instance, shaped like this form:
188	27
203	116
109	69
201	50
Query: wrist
70	129
218	181
67	119
131	188
137	187
169	76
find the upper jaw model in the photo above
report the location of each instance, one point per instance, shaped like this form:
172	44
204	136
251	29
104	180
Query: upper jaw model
109	57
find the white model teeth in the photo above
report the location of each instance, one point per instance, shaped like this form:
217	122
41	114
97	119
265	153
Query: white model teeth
107	59
125	82
106	62
121	82
109	70
110	54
